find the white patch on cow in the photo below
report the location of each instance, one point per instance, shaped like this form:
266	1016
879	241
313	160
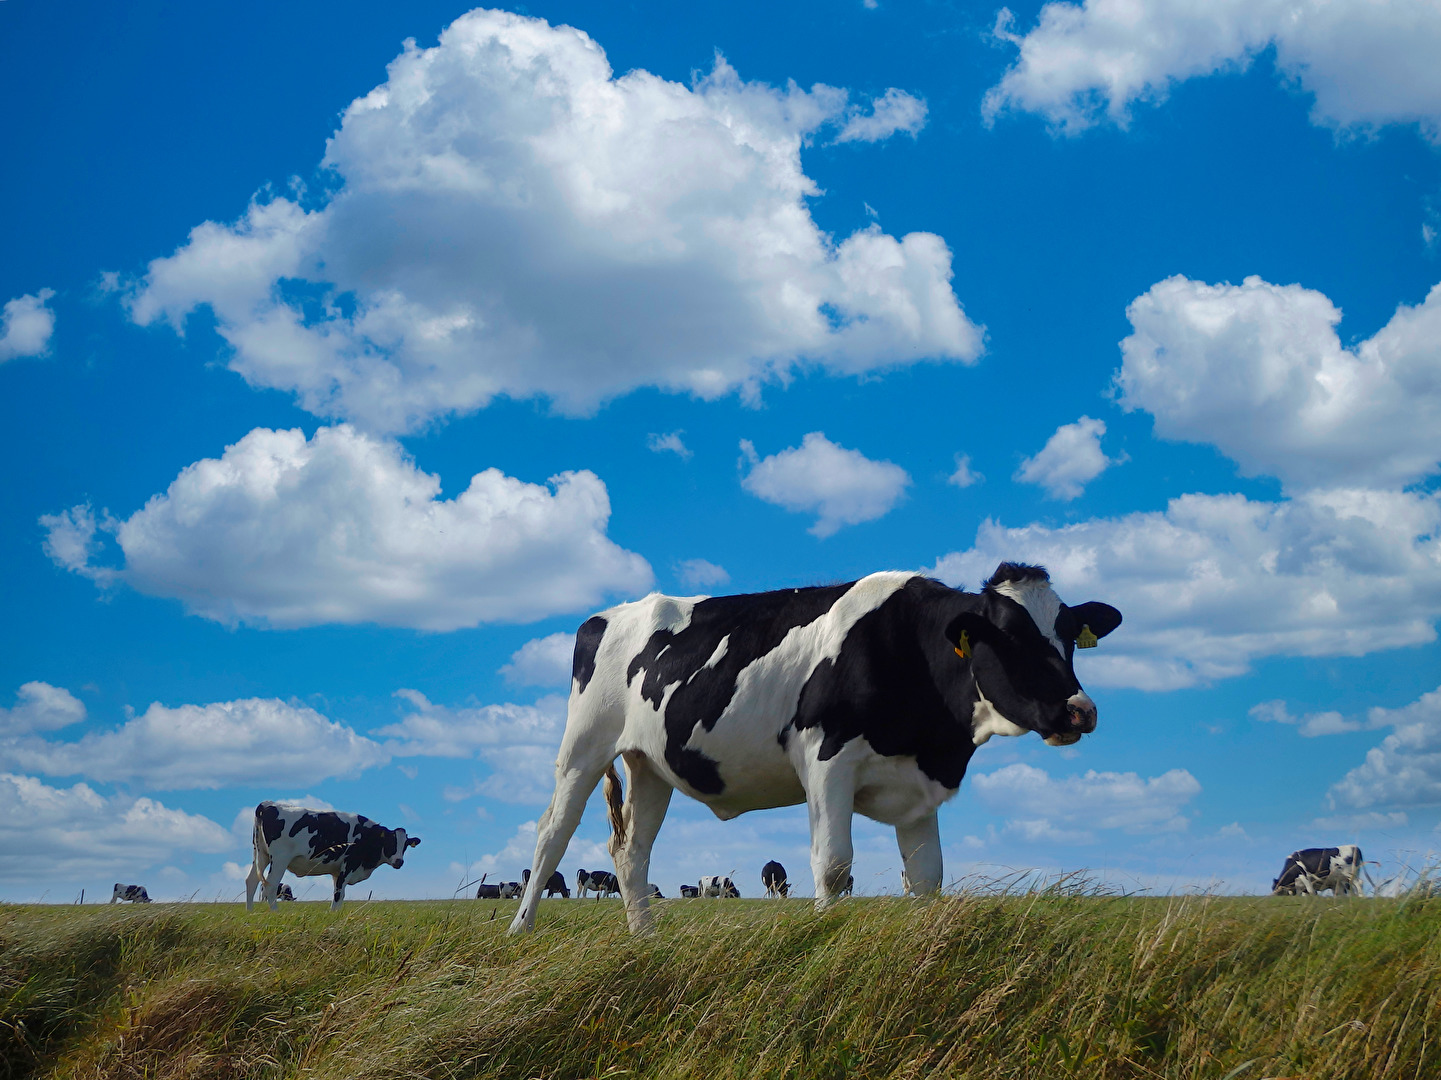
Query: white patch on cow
894	791
716	657
986	720
1041	604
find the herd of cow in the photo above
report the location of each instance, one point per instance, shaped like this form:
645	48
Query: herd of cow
865	697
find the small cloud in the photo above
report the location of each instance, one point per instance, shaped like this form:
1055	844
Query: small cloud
964	476
1070	460
893	111
842	487
41	707
1353	823
1233	831
671	443
542	661
700	573
410	772
1314	724
26	325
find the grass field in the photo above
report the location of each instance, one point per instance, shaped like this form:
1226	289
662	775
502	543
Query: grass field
1040	985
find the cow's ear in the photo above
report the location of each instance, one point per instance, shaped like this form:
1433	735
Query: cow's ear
412	841
1099	618
966	630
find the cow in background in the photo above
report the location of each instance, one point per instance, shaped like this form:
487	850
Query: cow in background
715	885
285	892
347	847
689	892
600	882
556	884
1312	870
510	890
135	894
867	697
773	877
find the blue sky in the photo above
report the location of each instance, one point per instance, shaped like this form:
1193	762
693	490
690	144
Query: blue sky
342	378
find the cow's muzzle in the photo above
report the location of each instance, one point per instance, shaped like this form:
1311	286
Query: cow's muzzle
1081	718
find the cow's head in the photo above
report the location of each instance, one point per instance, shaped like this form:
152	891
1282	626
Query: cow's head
1019	643
396	845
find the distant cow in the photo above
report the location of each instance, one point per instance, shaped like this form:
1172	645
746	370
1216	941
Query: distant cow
600	882
556	884
689	892
773	877
714	885
285	892
487	892
850	885
511	890
866	697
653	891
136	894
347	847
1312	870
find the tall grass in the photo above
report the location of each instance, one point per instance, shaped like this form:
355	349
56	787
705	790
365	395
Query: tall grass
1036	985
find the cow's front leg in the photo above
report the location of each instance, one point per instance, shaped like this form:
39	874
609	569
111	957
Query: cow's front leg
271	892
339	892
647	796
920	844
831	800
252	879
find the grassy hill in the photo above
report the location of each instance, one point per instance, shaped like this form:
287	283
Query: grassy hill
1034	986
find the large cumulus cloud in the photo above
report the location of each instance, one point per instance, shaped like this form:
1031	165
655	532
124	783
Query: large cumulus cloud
511	218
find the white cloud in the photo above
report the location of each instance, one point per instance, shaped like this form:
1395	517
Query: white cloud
1355	823
48	832
542	661
41	707
1258	371
71	542
343	528
1070	460
670	442
1405	769
1043	808
1215	581
510	219
507	863
1310	725
519	742
842	487
26	326
223	744
964	476
894	111
1368	63
700	573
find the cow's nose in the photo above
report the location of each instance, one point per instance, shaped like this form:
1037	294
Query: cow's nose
1083	713
401	862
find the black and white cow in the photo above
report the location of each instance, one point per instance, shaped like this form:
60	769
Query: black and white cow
487	892
511	890
715	885
348	847
869	696
600	882
285	892
689	892
653	891
1312	870
135	894
556	884
773	877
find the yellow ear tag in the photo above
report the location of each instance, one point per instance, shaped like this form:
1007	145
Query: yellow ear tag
963	647
1085	639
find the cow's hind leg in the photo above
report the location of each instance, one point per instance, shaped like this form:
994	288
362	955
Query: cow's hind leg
647	796
920	844
271	893
573	786
252	879
337	896
831	801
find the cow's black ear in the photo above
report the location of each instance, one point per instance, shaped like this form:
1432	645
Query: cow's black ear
969	627
1101	618
412	841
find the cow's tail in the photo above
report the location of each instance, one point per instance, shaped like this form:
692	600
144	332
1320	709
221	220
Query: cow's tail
614	804
260	849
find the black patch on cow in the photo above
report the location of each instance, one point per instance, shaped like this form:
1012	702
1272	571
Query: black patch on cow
754	623
271	824
1314	862
369	847
329	834
587	643
897	682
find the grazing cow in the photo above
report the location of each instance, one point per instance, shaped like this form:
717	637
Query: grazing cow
556	884
714	885
1311	870
773	877
600	882
136	894
510	890
285	892
689	892
348	847
869	696
653	891
487	892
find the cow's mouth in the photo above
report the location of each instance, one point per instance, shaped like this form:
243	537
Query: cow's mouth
1066	738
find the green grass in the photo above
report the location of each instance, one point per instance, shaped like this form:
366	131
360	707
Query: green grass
1036	986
